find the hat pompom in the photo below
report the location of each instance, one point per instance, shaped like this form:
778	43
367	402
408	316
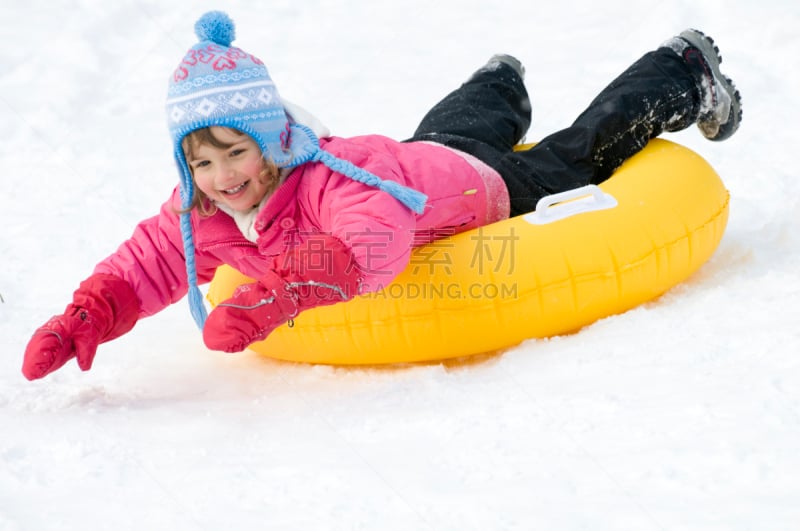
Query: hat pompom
217	27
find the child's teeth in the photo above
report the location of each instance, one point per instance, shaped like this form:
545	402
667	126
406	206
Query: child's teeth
234	189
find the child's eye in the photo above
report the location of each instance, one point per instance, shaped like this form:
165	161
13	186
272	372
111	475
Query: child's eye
200	164
235	152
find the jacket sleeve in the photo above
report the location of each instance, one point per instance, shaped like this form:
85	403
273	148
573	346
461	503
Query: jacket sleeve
378	229
153	262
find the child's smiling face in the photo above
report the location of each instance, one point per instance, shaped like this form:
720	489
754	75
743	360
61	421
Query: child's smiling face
231	175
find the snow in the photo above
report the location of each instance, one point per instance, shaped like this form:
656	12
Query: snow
682	414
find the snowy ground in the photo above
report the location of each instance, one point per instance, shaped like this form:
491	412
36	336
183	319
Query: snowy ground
683	414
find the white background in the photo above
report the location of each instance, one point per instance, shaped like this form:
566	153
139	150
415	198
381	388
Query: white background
683	414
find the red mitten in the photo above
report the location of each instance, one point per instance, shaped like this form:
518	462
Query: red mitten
103	307
318	272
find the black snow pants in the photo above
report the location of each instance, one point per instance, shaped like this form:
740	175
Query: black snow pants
491	112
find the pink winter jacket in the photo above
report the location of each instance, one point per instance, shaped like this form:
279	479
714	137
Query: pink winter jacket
463	193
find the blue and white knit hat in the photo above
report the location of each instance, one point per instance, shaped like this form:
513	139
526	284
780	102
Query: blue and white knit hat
217	84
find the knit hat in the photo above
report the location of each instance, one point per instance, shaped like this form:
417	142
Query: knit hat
217	84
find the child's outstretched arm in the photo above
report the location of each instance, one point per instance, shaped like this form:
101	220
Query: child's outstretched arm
103	307
144	275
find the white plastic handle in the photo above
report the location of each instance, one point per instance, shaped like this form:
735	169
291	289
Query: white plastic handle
565	204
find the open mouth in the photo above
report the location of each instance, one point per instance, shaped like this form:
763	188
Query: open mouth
235	189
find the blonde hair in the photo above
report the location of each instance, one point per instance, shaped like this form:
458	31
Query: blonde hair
269	175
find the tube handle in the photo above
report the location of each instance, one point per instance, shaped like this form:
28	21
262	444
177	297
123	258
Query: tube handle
562	205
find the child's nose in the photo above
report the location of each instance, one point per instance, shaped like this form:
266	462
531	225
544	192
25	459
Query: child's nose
226	170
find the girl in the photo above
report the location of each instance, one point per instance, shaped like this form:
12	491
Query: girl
318	219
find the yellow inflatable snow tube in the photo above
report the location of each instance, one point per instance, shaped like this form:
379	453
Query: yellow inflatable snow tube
581	256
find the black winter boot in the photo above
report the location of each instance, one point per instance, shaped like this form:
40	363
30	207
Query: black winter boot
720	103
